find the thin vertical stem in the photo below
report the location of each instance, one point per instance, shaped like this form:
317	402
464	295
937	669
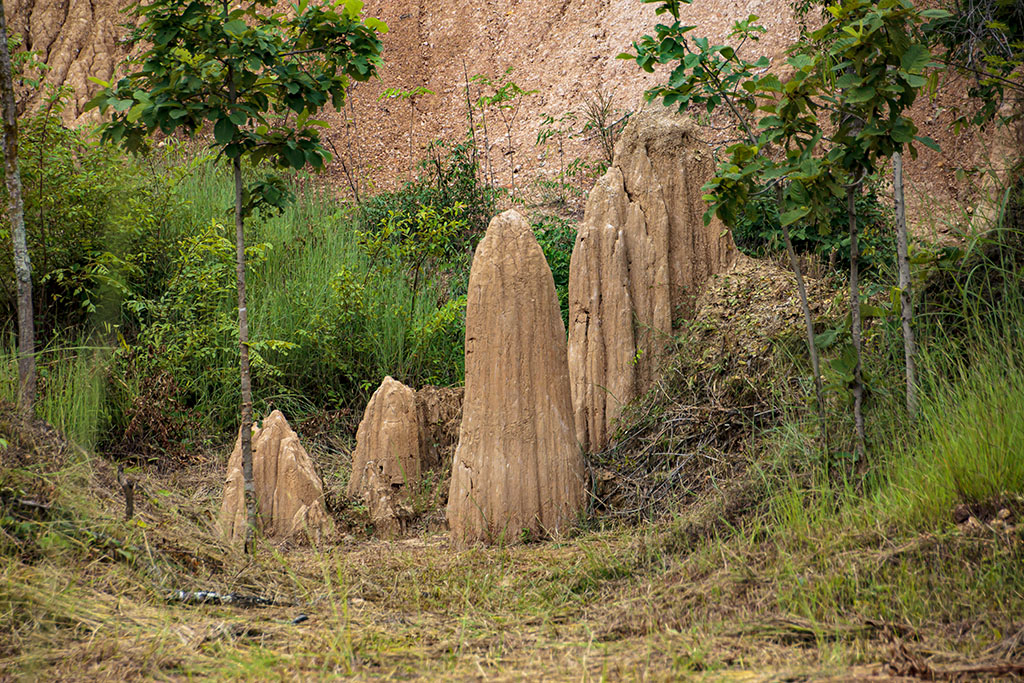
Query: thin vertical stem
906	295
243	349
245	436
812	350
855	329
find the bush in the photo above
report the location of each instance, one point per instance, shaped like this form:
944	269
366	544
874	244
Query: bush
92	224
333	307
758	232
447	178
557	237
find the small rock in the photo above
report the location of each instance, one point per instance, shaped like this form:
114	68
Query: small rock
972	525
961	513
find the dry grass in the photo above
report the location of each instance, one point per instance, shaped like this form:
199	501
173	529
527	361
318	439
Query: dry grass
690	596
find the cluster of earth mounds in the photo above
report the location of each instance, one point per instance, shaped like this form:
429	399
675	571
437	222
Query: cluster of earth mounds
518	471
642	256
289	492
403	434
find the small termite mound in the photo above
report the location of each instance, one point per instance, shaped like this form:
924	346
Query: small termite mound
289	492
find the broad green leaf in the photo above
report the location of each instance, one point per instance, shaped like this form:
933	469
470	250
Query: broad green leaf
295	157
928	142
135	112
235	28
354	8
869	311
376	24
915	58
792	216
224	131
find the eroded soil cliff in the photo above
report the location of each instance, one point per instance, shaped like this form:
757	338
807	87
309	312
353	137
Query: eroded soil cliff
565	50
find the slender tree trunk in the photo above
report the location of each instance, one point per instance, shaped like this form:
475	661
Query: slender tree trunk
511	159
245	435
906	296
489	174
22	262
243	348
812	350
412	120
353	175
858	384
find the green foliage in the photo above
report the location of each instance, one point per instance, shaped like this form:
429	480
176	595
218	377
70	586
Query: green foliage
404	95
191	330
333	306
557	131
863	68
258	77
984	39
72	393
605	122
758	232
449	183
91	221
504	96
557	237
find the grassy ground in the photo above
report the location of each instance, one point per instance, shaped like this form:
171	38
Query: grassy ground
789	563
658	600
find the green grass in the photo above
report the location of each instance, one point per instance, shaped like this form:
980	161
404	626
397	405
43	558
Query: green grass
339	342
71	387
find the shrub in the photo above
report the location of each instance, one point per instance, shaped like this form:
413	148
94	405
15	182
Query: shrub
758	232
447	178
557	236
92	223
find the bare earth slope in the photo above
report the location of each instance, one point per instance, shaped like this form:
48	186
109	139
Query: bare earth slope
563	49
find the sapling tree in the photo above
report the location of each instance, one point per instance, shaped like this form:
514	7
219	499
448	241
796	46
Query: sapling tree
259	77
558	130
409	96
868	65
16	214
506	97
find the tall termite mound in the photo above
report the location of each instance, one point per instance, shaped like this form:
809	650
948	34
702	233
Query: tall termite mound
289	493
642	256
390	445
517	468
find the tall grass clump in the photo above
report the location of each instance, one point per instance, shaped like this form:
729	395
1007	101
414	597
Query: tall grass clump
969	445
71	388
966	445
